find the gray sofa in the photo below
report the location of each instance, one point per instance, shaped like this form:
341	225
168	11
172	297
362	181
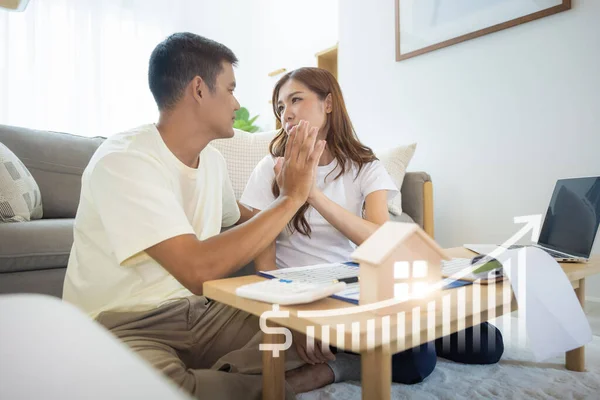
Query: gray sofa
34	255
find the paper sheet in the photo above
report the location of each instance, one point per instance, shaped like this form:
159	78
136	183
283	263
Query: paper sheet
554	319
351	293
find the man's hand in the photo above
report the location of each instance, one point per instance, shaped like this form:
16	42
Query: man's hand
298	168
277	168
314	190
313	356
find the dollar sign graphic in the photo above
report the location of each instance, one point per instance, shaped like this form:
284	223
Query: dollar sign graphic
275	347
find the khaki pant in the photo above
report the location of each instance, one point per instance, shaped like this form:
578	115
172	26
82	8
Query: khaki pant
207	348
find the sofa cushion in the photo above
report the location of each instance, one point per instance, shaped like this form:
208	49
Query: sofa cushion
56	161
20	198
242	153
395	161
39	244
404	217
44	281
413	197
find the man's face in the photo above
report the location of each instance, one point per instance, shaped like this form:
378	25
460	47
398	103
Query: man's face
220	104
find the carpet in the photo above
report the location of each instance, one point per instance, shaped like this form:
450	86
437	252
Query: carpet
516	376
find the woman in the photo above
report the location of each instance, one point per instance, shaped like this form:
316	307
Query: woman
347	203
348	177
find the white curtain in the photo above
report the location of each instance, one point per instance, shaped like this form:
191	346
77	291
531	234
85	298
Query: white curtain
80	66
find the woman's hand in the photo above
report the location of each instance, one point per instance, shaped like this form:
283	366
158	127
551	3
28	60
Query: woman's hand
314	193
316	355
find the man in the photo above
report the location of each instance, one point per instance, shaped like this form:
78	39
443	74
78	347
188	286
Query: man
153	202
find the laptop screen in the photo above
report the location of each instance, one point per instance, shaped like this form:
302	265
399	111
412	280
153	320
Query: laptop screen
573	216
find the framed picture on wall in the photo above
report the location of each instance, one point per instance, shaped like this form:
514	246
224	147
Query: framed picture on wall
427	25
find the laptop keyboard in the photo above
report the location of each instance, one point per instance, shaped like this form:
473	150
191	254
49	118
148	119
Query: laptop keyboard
551	252
555	254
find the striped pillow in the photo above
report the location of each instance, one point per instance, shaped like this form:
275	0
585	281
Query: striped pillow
242	153
20	197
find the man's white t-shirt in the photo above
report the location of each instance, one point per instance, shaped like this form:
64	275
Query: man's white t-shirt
135	193
326	244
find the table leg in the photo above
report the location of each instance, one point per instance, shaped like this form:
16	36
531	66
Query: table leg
376	377
273	370
575	359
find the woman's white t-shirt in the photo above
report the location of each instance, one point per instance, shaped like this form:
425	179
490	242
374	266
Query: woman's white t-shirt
326	244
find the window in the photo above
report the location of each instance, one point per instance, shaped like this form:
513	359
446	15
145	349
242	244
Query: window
410	279
80	66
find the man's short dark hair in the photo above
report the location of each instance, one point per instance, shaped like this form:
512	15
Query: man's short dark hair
178	59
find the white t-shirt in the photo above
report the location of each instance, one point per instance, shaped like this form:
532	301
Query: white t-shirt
326	244
135	193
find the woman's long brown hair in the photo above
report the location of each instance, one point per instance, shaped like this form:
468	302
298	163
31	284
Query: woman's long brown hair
341	138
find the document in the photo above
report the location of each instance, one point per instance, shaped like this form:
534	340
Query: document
554	319
325	273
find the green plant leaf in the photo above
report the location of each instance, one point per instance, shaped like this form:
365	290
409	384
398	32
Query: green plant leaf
243	121
253	119
242	114
239	124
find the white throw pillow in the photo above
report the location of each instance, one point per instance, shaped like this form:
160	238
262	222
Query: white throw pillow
242	153
396	161
20	196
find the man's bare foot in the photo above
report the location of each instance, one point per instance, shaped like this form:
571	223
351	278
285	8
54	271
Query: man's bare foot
309	377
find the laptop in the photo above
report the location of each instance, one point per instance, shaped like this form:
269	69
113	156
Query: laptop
571	222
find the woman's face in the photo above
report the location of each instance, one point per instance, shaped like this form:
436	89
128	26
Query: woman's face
297	102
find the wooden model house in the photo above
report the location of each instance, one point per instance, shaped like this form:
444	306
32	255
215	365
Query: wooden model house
398	261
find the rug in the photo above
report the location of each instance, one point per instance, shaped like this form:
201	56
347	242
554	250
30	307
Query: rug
516	376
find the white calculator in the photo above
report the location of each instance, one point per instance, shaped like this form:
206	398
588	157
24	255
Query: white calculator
286	291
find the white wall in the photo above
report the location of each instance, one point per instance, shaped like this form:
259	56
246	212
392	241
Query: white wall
265	35
89	72
497	119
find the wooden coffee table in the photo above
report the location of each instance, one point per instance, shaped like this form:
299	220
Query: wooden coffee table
377	337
